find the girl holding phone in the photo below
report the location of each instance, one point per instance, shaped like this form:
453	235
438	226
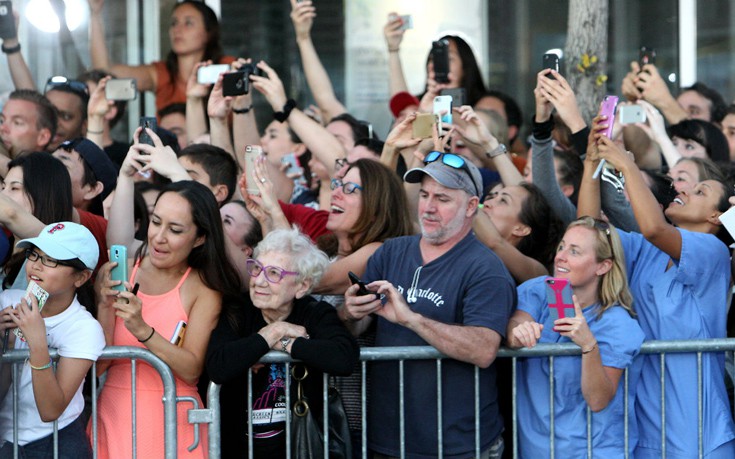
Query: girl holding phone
60	261
591	259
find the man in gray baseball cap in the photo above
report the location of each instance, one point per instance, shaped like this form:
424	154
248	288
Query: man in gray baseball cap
446	289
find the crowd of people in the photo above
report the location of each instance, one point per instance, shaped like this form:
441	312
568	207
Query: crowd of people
240	242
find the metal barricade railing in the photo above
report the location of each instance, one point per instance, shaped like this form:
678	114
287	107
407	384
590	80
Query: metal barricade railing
211	414
18	357
550	351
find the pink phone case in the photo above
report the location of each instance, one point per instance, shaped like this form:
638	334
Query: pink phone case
559	298
607	108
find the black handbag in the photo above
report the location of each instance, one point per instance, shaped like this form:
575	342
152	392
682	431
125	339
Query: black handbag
307	436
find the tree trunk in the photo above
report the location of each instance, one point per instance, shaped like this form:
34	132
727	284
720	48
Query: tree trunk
587	36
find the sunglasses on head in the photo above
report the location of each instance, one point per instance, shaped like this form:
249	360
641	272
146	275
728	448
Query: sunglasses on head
65	84
453	161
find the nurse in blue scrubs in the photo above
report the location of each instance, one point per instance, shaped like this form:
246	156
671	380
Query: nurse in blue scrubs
679	273
591	258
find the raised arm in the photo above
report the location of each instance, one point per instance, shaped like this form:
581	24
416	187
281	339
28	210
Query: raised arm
302	16
588	201
19	221
19	71
144	75
219	108
653	225
654	90
323	145
244	127
393	36
196	95
98	109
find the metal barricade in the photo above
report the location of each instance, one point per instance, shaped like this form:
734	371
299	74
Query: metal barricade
550	351
169	400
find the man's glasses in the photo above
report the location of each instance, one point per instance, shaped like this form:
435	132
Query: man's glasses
273	274
32	255
453	161
347	187
65	84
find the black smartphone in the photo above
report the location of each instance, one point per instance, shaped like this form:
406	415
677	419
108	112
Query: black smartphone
458	95
440	59
150	123
235	84
356	280
646	56
551	61
7	21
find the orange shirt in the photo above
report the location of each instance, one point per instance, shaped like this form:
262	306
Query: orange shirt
168	92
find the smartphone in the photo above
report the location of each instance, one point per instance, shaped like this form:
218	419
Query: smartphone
551	61
119	254
423	125
235	84
121	89
559	298
458	95
356	280
209	74
440	60
41	295
251	152
631	114
150	123
607	108
178	337
406	20
646	56
7	20
294	167
728	220
443	109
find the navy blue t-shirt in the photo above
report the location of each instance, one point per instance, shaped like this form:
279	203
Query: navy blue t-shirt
467	285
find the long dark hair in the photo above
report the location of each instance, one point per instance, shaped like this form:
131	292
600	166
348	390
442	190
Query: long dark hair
47	185
214	268
213	48
471	76
546	228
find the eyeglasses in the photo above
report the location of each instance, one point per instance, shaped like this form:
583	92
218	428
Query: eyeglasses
32	255
347	187
65	84
455	162
273	274
339	163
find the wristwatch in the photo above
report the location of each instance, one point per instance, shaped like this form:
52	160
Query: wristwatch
284	343
497	151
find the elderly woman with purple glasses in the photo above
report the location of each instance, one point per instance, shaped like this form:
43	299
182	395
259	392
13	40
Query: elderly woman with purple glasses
280	315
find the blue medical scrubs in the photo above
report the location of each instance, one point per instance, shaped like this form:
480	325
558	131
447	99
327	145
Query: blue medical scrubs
619	338
684	301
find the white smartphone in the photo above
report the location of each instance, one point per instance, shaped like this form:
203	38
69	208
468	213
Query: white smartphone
631	114
210	73
443	108
251	152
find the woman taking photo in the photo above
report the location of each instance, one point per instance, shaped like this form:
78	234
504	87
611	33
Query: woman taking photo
284	268
183	274
60	261
679	273
195	37
590	258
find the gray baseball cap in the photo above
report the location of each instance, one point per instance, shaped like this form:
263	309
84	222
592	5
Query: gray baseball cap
466	177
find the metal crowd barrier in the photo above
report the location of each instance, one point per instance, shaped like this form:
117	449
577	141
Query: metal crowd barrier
211	415
18	358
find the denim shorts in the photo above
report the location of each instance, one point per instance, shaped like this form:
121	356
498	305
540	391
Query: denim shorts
73	444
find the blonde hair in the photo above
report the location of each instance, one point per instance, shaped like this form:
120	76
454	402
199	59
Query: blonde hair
613	287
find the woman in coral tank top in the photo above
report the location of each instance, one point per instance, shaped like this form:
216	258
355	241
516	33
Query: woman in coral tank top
182	277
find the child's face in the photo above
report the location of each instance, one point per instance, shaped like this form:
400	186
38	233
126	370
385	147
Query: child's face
57	280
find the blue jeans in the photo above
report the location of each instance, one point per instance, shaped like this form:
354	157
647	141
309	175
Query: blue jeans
73	444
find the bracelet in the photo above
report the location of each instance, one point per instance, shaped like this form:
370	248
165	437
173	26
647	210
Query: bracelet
590	349
283	115
43	367
11	50
89	131
393	50
497	151
242	111
153	331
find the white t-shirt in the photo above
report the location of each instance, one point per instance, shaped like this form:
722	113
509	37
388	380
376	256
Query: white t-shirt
76	334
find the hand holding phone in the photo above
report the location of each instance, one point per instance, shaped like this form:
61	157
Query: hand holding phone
607	108
7	20
251	153
151	123
121	89
551	61
443	109
119	255
559	298
363	289
440	60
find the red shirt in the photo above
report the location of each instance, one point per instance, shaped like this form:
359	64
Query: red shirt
312	223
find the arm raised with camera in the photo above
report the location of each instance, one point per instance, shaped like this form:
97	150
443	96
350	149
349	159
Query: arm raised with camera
323	145
302	16
393	32
19	71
